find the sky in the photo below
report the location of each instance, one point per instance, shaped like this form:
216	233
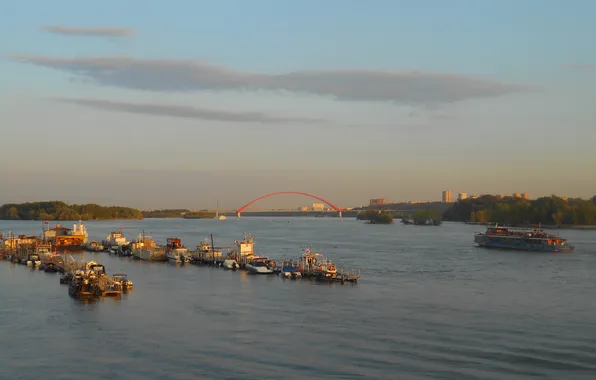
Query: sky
187	103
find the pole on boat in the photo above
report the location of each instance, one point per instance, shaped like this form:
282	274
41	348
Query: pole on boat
212	250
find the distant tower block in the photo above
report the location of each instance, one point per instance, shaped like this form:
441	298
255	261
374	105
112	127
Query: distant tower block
446	196
462	196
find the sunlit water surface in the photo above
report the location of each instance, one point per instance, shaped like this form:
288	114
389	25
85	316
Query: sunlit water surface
430	305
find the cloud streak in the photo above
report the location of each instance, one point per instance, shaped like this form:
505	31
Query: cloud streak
413	88
99	31
183	111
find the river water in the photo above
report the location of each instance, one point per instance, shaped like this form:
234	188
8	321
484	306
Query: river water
429	305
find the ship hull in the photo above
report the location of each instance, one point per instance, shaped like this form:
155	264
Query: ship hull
521	246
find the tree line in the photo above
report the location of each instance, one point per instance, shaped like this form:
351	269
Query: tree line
375	216
58	210
551	210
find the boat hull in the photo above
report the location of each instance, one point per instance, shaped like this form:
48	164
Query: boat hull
518	245
258	270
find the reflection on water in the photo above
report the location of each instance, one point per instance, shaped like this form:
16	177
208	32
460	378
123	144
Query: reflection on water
430	305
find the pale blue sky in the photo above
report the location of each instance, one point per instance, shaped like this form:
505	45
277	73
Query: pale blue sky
181	103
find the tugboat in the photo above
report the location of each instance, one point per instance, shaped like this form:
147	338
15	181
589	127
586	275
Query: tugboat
176	252
144	248
524	239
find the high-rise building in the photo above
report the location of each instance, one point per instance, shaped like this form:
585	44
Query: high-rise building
526	195
462	196
517	195
446	196
376	202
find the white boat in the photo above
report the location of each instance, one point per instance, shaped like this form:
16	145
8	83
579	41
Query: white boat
230	264
33	260
258	265
217	216
115	238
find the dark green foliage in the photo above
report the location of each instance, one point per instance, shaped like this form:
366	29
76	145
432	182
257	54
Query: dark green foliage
551	210
420	217
168	213
57	210
375	216
199	215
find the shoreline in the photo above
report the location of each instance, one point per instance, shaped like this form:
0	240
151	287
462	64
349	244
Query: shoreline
543	226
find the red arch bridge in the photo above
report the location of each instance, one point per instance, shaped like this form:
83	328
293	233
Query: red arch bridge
336	208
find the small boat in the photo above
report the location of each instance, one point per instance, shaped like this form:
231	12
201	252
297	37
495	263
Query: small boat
51	268
230	264
290	271
122	280
33	260
258	265
66	278
95	246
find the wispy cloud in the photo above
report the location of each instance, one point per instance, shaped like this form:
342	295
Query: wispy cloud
407	88
183	111
162	172
581	67
98	31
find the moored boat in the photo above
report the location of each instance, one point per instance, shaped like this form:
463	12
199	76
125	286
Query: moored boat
115	239
230	264
290	271
63	238
144	248
176	252
33	260
122	280
259	265
524	239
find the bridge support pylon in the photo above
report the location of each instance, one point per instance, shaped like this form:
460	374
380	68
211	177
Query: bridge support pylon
340	214
237	215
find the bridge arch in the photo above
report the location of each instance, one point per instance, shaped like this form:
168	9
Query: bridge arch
336	208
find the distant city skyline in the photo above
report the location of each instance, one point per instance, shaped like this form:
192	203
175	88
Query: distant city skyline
187	103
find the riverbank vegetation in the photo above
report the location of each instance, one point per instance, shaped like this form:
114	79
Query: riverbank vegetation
427	217
375	216
199	215
58	210
167	213
551	210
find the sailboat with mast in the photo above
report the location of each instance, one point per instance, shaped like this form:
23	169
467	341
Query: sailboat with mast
217	216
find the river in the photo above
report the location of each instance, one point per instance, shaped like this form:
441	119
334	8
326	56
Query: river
429	305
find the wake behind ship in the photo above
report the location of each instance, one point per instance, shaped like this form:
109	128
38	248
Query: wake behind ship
522	239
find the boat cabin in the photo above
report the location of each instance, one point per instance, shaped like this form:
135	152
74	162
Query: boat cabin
174	243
